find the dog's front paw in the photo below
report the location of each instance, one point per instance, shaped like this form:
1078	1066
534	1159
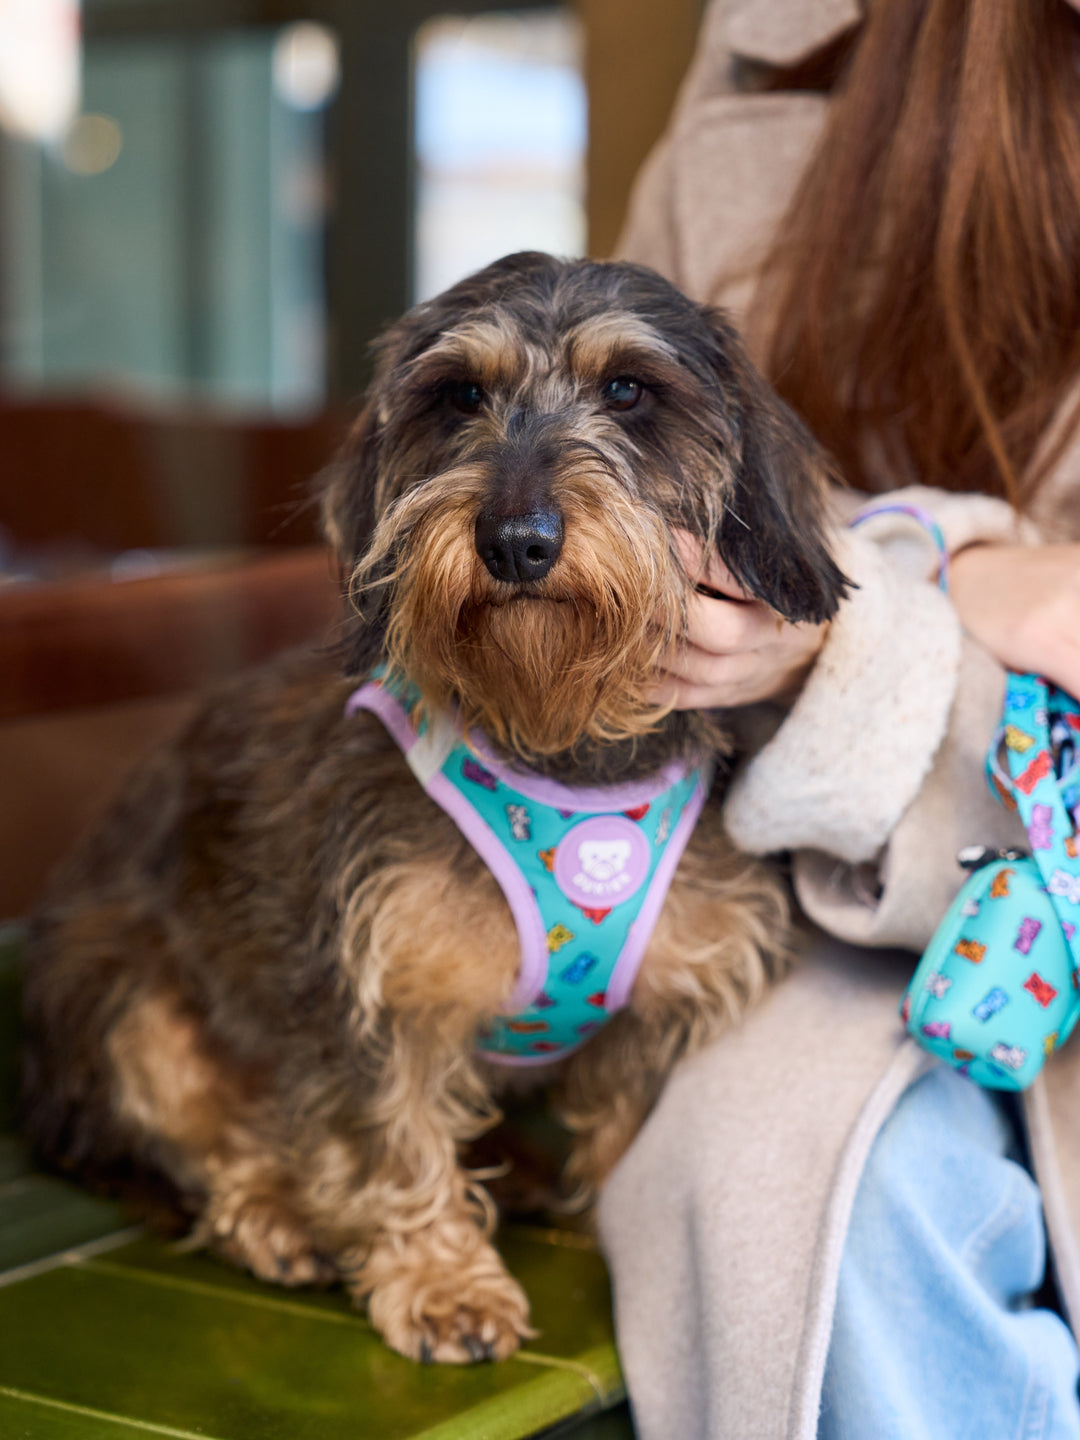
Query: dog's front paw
451	1313
266	1237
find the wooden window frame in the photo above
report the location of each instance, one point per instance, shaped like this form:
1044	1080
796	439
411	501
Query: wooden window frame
369	262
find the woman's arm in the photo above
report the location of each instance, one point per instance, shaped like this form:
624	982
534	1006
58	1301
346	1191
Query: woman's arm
1021	602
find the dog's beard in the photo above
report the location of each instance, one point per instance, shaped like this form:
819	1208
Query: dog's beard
539	669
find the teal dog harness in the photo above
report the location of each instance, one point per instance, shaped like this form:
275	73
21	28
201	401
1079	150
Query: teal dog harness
584	871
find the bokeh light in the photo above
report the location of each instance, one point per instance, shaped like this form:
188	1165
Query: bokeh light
39	66
307	66
92	145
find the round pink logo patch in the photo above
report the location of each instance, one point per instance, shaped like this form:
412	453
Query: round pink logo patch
602	862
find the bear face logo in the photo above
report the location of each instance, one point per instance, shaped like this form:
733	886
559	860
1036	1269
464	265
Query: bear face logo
601	862
603	859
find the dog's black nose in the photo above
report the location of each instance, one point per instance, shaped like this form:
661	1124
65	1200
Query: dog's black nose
518	548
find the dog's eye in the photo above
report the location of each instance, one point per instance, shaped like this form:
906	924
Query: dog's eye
466	396
622	393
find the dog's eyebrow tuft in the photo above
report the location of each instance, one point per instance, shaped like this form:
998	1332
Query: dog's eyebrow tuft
594	345
490	351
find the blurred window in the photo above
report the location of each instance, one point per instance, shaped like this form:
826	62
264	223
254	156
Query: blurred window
500	127
172	244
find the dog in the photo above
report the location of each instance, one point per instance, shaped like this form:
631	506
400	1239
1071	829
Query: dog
275	977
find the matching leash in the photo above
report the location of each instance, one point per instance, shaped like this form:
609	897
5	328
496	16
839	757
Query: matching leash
924	518
998	989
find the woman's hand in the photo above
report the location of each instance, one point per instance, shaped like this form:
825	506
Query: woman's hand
1023	603
736	649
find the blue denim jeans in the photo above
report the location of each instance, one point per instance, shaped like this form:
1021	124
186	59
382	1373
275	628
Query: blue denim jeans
936	1336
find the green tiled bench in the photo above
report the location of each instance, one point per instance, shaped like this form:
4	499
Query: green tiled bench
106	1334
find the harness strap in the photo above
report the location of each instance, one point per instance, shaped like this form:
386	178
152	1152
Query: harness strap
585	871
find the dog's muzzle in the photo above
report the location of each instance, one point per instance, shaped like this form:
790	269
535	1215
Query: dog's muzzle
519	548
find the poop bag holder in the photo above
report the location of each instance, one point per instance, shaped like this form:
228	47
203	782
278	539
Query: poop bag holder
998	988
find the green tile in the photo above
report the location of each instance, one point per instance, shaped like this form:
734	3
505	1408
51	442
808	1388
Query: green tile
40	1216
158	1262
612	1425
27	1417
514	1414
567	1283
180	1341
565	1279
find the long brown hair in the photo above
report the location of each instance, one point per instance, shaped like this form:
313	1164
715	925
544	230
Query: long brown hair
923	294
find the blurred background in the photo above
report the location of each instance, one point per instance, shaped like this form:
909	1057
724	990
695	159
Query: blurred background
208	208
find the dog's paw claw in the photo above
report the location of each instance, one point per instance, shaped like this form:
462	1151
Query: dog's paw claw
478	1349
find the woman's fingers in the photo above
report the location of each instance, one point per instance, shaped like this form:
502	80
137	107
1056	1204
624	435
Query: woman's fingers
736	650
714	573
709	683
722	626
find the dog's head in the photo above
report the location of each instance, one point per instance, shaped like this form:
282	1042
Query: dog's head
504	504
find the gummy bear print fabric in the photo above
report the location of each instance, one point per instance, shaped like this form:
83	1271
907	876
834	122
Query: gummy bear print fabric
584	871
999	986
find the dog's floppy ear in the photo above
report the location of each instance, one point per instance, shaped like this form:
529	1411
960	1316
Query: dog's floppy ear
349	516
772	534
347	488
349	485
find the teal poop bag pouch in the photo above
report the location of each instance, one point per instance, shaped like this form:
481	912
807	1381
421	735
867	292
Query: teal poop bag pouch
995	992
998	989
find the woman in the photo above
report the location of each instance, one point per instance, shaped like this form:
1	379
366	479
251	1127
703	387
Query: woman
819	1232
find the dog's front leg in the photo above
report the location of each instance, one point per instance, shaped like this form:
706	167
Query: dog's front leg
435	1286
607	1092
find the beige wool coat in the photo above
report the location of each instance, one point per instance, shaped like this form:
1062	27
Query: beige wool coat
725	1223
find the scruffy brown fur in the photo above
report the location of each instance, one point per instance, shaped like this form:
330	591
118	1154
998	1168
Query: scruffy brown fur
262	979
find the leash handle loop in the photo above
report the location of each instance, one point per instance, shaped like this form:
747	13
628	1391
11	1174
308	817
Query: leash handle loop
925	519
